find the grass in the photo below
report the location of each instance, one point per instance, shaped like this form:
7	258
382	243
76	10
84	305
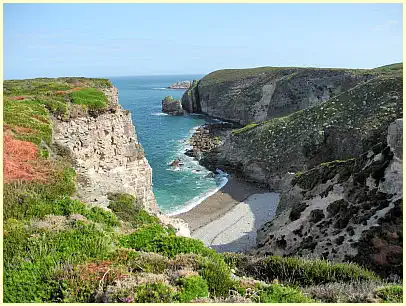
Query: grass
31	258
89	97
244	129
31	115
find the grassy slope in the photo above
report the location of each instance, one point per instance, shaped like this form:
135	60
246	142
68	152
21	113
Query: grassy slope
60	249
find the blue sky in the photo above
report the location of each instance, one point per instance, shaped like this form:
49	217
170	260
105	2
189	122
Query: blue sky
148	39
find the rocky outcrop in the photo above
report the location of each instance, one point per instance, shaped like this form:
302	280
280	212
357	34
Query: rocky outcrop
107	157
340	128
206	138
253	95
345	211
180	85
171	106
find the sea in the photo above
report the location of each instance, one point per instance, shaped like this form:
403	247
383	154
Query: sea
165	138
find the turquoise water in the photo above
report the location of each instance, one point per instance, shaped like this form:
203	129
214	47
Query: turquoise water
164	139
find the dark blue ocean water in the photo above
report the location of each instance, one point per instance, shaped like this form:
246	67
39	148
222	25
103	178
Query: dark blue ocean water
164	138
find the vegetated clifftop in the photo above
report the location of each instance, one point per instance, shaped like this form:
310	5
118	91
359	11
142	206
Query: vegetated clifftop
67	139
251	95
345	210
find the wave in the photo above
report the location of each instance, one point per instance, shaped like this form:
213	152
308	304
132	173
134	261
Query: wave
159	114
159	88
222	180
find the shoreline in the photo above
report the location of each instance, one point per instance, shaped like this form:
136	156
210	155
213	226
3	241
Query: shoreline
235	191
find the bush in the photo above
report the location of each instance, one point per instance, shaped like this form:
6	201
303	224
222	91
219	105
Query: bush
217	274
155	238
390	293
126	207
191	288
297	271
280	294
143	239
154	293
140	261
352	292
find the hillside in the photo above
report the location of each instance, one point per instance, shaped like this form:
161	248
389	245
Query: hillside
75	231
316	144
247	96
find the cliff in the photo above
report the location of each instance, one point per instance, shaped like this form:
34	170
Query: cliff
340	128
106	154
252	95
345	211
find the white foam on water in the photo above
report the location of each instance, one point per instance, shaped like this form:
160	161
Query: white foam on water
222	180
159	88
159	114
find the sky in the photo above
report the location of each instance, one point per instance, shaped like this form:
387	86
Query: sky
102	40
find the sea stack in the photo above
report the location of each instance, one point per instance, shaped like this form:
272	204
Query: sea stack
171	106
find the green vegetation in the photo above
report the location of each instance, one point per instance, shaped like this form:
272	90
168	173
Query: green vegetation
59	249
192	288
281	294
28	119
90	97
245	128
391	293
297	271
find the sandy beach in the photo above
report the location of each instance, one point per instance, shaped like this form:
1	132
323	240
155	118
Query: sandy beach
229	219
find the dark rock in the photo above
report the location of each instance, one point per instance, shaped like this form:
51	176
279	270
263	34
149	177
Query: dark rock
172	106
316	215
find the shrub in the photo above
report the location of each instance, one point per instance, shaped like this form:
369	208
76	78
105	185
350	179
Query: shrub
90	97
143	239
155	238
217	274
390	293
297	271
140	261
191	288
352	292
154	293
276	293
100	215
126	207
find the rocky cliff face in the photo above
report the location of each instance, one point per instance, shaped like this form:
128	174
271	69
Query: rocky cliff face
252	95
340	128
108	158
345	211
